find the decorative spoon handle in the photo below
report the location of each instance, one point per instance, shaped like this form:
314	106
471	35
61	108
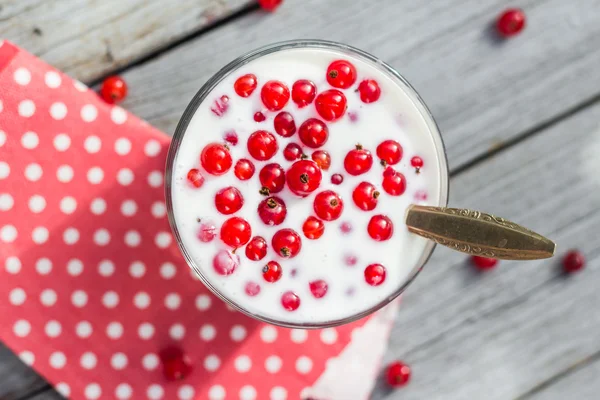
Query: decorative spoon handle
477	233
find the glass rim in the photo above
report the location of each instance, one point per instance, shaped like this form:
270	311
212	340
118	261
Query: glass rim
207	88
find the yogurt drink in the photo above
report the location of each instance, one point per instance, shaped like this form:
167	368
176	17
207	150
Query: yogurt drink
288	181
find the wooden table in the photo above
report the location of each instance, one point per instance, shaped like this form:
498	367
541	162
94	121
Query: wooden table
521	122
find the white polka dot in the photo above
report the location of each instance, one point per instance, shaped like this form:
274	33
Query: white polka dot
58	111
146	330
118	115
278	393
52	79
106	268
98	206
237	333
155	392
88	360
2	133
122	146
27	357
125	176
95	175
152	148
216	392
155	179
12	265
118	361
243	364
132	238
26	108
110	299
92	144
102	238
8	233
268	334
71	236
17	296
21	328
63	389
79	298
64	173
158	209
43	266
89	113
298	335
74	267
6	202
137	269
33	172
273	364
167	270
83	329
68	205
212	362
22	76
128	208
329	335
186	392
203	302
40	235
141	300
48	297
172	301
177	331
37	203
93	391
57	360
30	140
150	361
208	332
303	365
53	329
163	239
247	393
4	170
62	142
80	86
123	391
114	330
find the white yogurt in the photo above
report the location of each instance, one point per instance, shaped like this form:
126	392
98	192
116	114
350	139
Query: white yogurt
395	115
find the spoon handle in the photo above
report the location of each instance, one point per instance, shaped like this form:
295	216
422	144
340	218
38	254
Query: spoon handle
477	233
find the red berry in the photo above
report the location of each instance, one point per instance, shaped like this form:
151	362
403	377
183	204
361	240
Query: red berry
272	271
328	205
207	232
215	159
390	152
262	145
313	133
322	158
417	163
331	104
389	171
341	74
375	274
303	177
303	92
236	232
259	117
369	91
284	124
225	262
228	200
245	85
114	89
394	184
286	243
337	179
380	228
484	263
275	95
257	249
290	301
292	152
269	5
397	374
318	288
365	196
272	177
220	106
358	161
346	227
231	138
252	289
272	211
244	169
313	228
511	22
573	261
351	260
176	365
195	178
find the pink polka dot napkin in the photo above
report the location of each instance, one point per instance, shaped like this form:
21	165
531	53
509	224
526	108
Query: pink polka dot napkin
92	286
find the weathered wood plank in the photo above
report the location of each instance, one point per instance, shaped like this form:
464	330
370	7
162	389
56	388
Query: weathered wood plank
89	38
49	394
17	379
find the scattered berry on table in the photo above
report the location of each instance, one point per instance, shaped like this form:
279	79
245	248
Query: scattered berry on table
394	184
573	261
256	249
318	288
231	138
272	271
114	90
220	106
337	179
322	158
245	85
303	92
375	274
259	116
286	243
252	289
195	178
225	262
228	200
262	145
511	22
417	163
269	5
284	124
175	364
390	152
331	104
272	211
328	205
235	232
397	374
365	196
313	133
292	152
346	227
272	177
207	232
215	159
244	169
484	263
358	161
275	95
303	177
313	228
350	260
341	74
380	228
369	91
290	301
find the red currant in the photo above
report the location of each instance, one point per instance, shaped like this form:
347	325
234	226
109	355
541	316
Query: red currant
328	205
245	85
318	288
511	22
262	145
341	74
252	289
272	271
114	89
236	232
176	365
244	169
259	117
369	91
397	374
337	179
313	133
272	211
313	228
257	249
303	177
275	95
220	106
380	228
290	301
195	178
389	171
322	158
215	159
389	152
231	138
346	227
417	163
484	263
269	5
207	232
365	196
272	177
284	124
573	261
358	161
225	262
331	104
375	274
303	92
350	260
229	200
394	184
286	243
292	152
